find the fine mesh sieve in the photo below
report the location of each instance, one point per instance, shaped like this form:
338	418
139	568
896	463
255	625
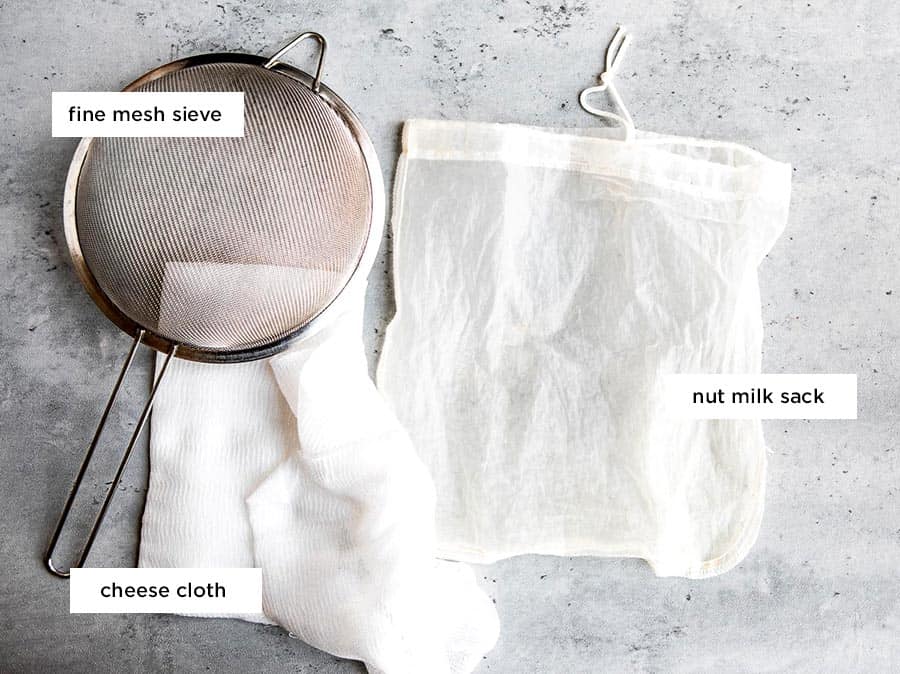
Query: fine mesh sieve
223	249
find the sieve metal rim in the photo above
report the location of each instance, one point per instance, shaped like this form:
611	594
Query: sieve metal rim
153	338
356	278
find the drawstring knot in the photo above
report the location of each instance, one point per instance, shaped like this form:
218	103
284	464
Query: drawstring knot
607	83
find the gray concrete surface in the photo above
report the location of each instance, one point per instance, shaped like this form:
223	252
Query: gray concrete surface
813	83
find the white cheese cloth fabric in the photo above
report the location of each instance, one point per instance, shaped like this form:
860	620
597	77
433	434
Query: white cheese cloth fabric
296	466
547	281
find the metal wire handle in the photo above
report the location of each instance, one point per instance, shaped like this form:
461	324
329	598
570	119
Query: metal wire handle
293	43
142	420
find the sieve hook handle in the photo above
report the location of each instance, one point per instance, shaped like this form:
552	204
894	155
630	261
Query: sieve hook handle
142	420
323	45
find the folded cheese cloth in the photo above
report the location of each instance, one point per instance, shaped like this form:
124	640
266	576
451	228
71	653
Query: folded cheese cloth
547	281
296	466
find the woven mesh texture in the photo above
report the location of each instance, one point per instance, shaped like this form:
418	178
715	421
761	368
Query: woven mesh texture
227	244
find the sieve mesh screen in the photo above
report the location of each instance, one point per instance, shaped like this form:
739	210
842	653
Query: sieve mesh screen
226	244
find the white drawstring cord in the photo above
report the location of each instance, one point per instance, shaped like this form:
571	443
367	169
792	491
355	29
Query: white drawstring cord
613	53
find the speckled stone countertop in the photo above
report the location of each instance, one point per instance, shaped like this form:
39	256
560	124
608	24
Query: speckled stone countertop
810	83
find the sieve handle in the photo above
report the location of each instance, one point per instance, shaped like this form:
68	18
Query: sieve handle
142	420
323	45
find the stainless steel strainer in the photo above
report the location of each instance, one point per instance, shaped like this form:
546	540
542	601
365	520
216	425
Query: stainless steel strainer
223	249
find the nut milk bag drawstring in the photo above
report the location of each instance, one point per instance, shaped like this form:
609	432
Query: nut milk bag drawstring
614	54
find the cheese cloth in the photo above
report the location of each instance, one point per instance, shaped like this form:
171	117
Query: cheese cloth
546	283
296	466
